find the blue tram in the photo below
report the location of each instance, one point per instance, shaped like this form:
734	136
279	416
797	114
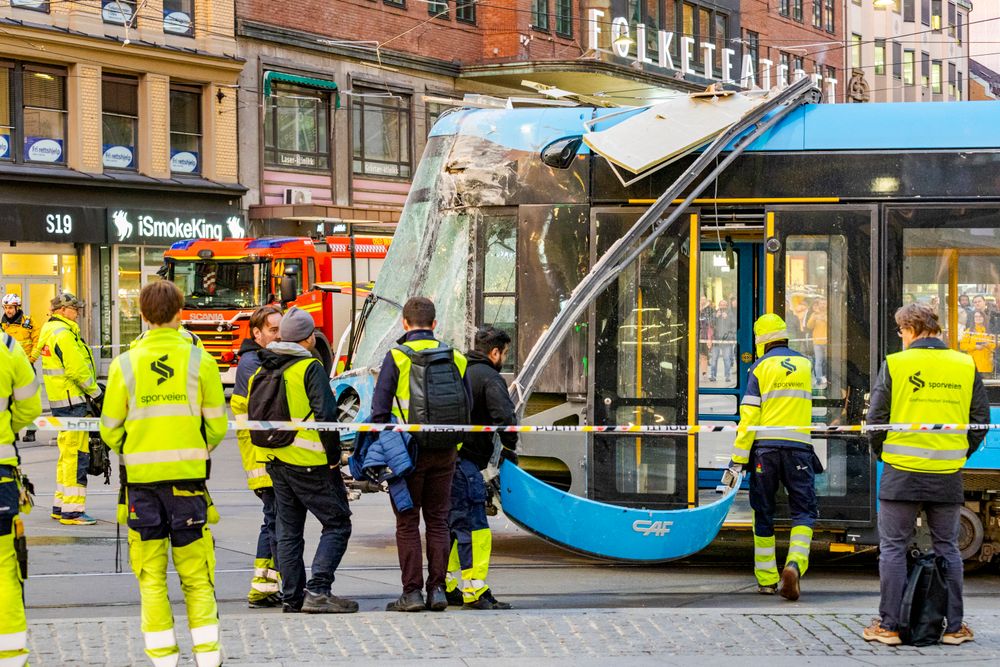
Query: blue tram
833	217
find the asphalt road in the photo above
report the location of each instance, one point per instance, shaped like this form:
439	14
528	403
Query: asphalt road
73	568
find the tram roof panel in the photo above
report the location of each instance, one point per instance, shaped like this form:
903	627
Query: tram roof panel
813	127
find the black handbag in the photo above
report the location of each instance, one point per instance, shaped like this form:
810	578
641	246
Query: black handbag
924	607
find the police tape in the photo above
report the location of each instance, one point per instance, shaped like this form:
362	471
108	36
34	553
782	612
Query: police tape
93	424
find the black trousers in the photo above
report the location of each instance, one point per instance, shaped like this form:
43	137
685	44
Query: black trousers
319	491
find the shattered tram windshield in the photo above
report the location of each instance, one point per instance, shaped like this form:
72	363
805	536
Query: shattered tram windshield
215	284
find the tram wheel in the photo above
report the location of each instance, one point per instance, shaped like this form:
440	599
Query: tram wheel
970	535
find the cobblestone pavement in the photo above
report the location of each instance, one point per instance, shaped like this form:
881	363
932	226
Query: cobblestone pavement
577	637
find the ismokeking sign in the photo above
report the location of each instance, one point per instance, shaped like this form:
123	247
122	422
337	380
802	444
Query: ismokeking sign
151	227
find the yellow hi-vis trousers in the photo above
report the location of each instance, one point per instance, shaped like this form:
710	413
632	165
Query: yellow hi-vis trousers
195	565
765	566
472	541
13	624
71	474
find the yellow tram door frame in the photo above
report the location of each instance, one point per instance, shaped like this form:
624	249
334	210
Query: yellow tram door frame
694	238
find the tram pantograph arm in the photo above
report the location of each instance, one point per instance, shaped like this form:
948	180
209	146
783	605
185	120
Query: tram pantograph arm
621	253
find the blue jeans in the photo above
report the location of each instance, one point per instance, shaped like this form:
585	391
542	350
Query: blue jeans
321	492
727	351
819	367
896	524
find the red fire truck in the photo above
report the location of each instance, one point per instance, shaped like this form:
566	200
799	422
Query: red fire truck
225	281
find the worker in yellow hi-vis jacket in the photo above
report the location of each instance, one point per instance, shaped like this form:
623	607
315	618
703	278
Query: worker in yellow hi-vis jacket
164	412
21	404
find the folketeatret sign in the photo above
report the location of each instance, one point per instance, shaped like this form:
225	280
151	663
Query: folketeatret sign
149	227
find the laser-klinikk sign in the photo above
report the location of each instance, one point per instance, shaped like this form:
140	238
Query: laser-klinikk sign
695	58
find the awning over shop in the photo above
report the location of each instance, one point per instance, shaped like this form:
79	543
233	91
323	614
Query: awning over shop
271	77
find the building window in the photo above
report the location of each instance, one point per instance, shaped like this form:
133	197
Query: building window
120	119
381	133
118	12
438	8
951	18
908	67
958	82
297	128
798	68
44	114
395	3
880	56
909	10
435	110
785	65
34	5
925	12
855	50
817	13
753	48
465	11
540	15
925	67
687	23
897	60
178	17
797	10
936	76
952	91
959	20
784	7
936	15
830	16
564	20
185	129
831	73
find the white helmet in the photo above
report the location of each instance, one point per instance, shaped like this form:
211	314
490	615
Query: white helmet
11	300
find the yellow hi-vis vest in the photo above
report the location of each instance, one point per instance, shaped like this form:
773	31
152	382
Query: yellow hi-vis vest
403	363
307	448
256	472
20	400
164	409
67	364
779	394
929	386
189	336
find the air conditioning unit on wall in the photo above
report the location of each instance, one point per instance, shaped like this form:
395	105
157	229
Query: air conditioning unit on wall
298	196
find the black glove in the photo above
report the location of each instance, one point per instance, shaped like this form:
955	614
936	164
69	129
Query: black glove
96	403
509	454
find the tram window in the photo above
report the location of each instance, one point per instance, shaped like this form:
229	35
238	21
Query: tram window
956	271
500	279
717	319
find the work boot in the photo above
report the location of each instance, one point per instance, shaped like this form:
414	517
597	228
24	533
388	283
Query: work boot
267	602
289	608
770	589
486	601
437	599
455	597
413	601
28	437
876	633
790	582
327	603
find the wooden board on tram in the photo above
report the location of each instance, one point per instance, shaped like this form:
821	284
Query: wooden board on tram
671	129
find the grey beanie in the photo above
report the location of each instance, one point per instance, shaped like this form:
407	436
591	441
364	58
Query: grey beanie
296	325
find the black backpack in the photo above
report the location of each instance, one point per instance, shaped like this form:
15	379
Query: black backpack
437	394
268	402
925	601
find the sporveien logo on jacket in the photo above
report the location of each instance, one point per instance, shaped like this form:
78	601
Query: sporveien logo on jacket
917	383
788	366
160	368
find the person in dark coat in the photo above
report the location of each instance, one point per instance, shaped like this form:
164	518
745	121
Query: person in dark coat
471	540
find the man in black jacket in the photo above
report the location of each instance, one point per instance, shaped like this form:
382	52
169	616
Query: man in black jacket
471	539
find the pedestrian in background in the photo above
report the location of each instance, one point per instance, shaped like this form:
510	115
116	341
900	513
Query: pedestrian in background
164	412
779	393
430	481
925	383
265	586
25	331
471	539
19	384
305	473
71	386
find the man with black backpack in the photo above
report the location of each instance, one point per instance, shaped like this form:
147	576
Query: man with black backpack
304	466
422	382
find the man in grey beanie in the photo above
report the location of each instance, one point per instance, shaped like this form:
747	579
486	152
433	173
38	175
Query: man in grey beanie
304	466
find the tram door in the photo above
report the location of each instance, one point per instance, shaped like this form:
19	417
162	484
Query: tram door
726	310
818	275
642	366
